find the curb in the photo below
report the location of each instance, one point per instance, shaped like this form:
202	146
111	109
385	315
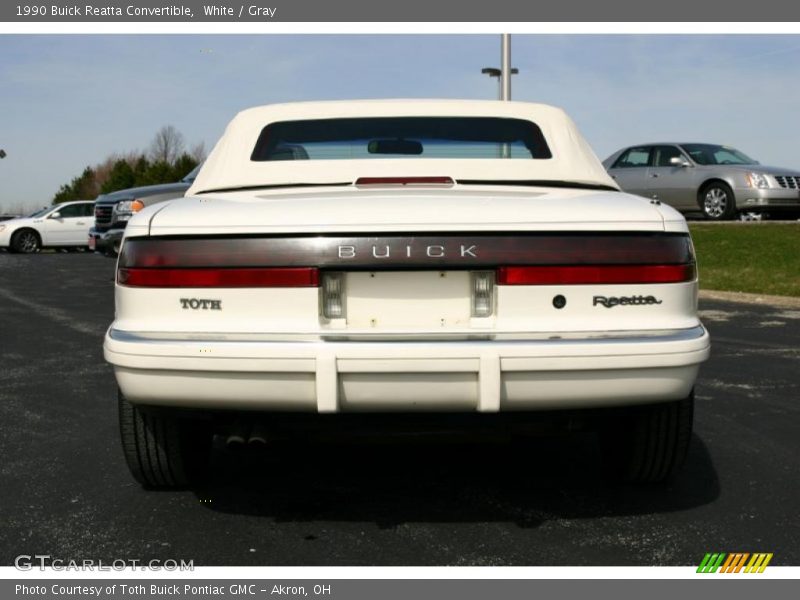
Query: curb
745	298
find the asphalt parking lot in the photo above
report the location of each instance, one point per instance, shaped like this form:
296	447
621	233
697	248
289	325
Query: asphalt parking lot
65	490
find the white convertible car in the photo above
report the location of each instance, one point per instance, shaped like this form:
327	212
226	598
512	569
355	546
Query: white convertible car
404	256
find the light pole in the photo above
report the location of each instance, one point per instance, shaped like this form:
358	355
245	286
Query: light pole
505	65
503	75
505	71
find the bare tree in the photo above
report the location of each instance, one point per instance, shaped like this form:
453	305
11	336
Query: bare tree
132	157
103	169
198	152
167	145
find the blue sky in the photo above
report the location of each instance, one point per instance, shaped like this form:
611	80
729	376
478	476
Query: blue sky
68	101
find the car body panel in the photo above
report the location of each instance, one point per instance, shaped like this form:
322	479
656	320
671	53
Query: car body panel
476	208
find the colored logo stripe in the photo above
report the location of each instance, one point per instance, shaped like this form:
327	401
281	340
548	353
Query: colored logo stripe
711	562
758	563
734	562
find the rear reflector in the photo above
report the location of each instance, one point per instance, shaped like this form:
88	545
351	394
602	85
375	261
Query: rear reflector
219	278
404	181
482	294
333	295
584	274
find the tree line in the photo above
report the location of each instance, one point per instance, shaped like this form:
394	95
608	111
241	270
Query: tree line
166	160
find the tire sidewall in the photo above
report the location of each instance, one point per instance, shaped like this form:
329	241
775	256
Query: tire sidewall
162	451
648	443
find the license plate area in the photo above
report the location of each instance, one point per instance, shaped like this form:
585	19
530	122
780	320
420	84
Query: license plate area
407	300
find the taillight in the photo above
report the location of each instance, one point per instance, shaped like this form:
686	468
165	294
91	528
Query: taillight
459	251
585	274
519	258
197	263
218	277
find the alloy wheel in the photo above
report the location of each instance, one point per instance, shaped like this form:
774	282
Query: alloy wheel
715	203
28	242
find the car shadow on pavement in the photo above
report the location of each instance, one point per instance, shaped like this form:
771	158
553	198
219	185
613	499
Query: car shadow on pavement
527	482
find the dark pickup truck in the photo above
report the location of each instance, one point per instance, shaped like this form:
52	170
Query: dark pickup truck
113	211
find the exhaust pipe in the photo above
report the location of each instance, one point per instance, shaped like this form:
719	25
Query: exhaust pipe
241	435
235	442
258	437
237	434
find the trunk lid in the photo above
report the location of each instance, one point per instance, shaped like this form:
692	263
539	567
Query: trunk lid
328	209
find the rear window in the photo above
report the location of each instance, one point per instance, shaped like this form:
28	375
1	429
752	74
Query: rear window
401	137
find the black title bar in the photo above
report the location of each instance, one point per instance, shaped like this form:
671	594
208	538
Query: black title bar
443	11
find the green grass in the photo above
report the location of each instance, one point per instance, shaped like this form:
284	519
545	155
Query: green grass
760	258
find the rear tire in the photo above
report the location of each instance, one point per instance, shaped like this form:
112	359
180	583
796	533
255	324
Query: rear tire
162	450
648	444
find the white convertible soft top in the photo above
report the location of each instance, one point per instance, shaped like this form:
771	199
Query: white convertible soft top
229	165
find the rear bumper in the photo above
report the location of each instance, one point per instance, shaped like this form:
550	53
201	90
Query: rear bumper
550	372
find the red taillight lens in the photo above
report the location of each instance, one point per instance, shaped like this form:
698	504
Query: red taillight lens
219	278
585	274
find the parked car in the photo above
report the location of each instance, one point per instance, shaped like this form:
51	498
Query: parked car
8	217
113	211
720	181
61	226
456	258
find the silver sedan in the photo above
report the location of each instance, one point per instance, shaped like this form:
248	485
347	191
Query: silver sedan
719	180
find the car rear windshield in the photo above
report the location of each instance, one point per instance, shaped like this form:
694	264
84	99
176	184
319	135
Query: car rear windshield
401	137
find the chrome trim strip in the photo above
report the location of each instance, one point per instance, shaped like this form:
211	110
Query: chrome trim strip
453	337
